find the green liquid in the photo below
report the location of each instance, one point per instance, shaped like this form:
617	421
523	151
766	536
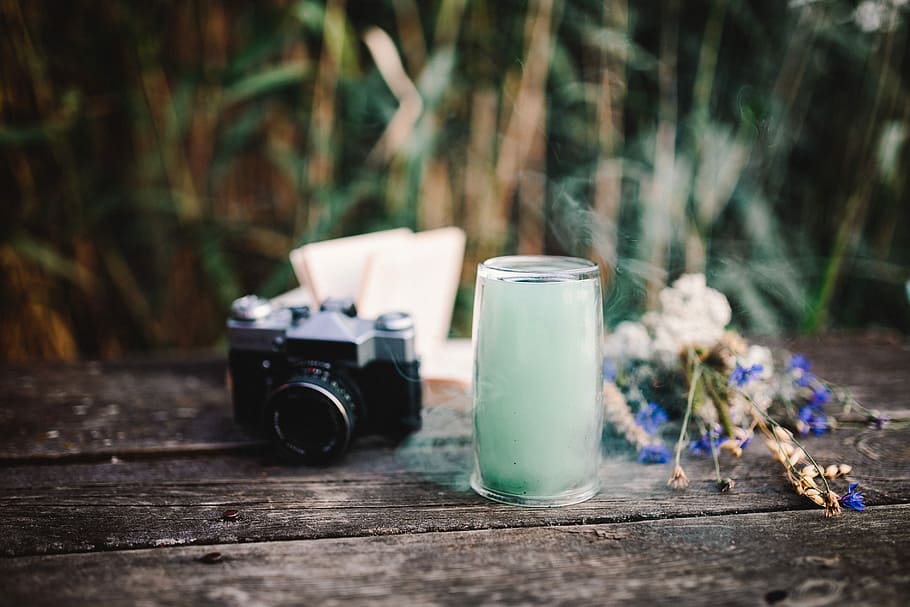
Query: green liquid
538	388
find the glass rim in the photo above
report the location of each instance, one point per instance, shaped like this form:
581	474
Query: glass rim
540	267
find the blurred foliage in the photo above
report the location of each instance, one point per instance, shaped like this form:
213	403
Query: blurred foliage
159	159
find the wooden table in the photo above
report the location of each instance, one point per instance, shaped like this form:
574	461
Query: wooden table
116	478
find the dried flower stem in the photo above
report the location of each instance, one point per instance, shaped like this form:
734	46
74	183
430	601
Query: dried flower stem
804	484
723	412
714	453
618	413
850	402
678	474
796	443
789	453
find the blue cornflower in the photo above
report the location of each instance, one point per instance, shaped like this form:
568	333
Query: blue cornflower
853	498
820	395
744	442
703	445
880	421
609	370
741	375
813	419
651	417
800	365
798	361
654	454
805	380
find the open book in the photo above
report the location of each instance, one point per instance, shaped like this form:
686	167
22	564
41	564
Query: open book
393	270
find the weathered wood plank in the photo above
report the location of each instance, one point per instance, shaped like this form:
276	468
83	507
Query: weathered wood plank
93	408
442	447
874	366
147	407
405	527
422	487
784	558
182	405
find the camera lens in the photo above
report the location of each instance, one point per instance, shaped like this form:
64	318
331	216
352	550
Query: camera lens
310	419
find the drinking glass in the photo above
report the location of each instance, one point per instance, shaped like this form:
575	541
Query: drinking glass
538	380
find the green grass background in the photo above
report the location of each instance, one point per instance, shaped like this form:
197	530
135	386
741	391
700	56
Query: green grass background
159	159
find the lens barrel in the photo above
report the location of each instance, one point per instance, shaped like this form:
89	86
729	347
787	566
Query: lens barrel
311	419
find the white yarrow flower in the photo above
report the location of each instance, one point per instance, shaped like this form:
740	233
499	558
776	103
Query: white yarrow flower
869	15
878	15
691	315
628	341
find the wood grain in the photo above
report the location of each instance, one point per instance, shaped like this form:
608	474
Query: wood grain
114	479
139	407
874	366
179	405
378	491
96	409
784	558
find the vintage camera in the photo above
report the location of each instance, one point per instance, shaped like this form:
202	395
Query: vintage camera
309	382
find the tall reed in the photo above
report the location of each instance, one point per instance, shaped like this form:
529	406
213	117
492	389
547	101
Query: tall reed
160	159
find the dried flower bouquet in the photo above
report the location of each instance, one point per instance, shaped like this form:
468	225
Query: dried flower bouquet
682	362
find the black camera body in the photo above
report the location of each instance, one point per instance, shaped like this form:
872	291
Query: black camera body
310	382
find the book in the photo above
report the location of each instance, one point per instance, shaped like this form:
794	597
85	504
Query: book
392	270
